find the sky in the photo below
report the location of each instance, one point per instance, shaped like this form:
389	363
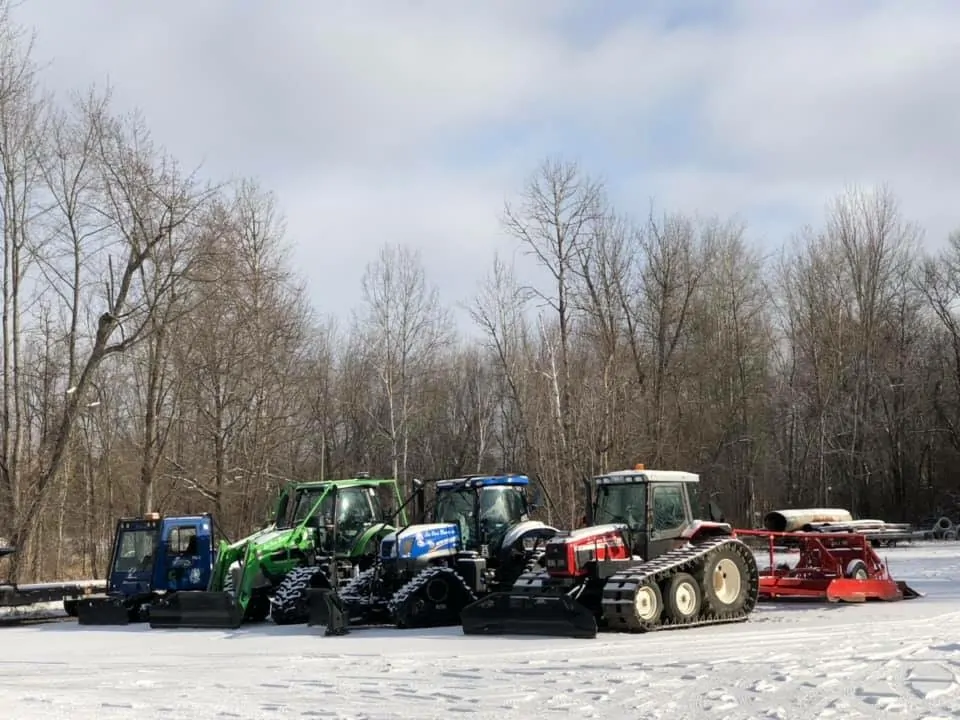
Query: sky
412	121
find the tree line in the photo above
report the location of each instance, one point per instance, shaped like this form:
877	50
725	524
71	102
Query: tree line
160	354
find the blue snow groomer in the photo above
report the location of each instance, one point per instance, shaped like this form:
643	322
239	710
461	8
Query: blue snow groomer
479	541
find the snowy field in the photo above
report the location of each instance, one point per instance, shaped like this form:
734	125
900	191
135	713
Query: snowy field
789	662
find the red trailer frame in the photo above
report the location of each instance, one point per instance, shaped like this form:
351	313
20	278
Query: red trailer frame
837	567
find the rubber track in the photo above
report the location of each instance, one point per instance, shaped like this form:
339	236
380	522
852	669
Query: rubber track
357	591
420	581
621	588
288	604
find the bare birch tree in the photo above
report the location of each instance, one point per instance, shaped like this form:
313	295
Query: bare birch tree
405	328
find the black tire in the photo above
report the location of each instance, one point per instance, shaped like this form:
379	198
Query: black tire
682	598
725	582
289	602
258	609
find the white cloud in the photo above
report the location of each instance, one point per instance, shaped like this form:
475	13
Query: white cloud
410	121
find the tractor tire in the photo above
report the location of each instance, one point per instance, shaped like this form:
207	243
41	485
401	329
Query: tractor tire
648	604
856	570
724	582
258	609
289	602
682	598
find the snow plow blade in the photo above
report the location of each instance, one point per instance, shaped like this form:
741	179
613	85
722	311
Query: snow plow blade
196	609
102	611
854	590
324	607
508	613
908	592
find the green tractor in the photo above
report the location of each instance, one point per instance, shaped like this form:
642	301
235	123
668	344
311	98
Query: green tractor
322	533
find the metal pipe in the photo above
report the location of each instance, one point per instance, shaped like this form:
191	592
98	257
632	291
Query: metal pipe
793	520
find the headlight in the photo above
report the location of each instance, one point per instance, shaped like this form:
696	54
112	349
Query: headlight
406	547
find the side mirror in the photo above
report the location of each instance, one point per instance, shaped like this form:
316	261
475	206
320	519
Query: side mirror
715	513
536	501
587	502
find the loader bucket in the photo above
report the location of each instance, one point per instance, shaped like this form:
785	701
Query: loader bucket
196	609
507	613
324	607
102	611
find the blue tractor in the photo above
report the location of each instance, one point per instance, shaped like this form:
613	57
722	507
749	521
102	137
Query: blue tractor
151	556
479	539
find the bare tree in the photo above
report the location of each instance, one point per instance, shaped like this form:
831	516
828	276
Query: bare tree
22	115
405	328
553	220
147	204
673	257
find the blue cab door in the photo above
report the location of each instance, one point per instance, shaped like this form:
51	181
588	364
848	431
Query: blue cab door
186	554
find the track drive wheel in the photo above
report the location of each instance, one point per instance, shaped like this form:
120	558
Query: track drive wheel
725	582
648	604
682	598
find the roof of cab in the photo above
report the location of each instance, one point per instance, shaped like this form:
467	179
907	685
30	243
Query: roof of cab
650	476
474	481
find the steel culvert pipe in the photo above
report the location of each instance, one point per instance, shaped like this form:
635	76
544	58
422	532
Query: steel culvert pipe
794	520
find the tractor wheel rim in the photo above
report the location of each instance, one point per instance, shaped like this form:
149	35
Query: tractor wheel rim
645	603
685	598
726	581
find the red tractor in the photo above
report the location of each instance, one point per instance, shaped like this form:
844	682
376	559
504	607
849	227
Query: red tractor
642	564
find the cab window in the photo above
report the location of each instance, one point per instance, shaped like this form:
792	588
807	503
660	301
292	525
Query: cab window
668	511
183	541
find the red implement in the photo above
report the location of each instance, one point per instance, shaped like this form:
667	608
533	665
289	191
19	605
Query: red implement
837	567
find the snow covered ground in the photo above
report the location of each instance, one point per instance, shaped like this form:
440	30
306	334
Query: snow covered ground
788	662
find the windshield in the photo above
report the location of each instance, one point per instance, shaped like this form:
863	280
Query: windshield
622	503
135	550
457	506
452	505
500	508
358	506
303	502
502	505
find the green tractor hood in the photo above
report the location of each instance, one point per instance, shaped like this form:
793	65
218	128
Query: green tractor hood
279	547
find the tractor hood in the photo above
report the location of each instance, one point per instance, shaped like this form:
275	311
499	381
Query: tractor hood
260	538
418	541
273	538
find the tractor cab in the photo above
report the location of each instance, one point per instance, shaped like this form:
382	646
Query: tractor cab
483	508
152	557
655	507
163	554
340	514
